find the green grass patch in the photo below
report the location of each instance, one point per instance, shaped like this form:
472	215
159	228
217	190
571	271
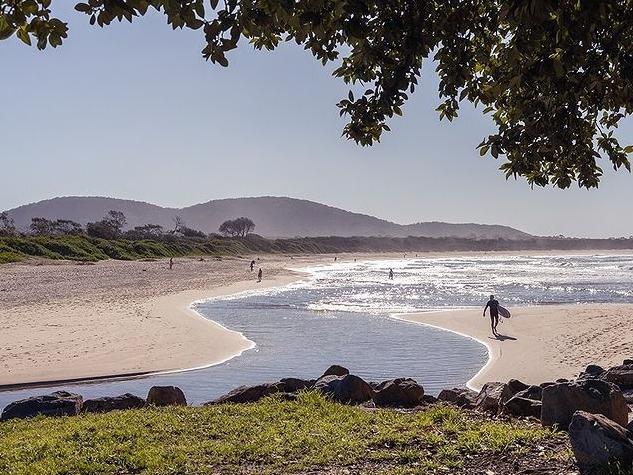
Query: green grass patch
271	436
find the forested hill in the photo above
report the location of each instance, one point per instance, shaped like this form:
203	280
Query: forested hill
273	216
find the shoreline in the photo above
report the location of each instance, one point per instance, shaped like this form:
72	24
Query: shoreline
180	305
537	343
161	332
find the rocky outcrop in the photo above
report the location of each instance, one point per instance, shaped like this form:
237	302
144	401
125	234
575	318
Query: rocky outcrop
460	397
248	394
166	396
335	370
292	385
560	401
518	406
532	392
492	397
116	403
591	372
598	441
401	392
348	389
517	386
59	403
621	375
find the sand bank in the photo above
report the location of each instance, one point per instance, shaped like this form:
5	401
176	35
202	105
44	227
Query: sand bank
62	321
543	343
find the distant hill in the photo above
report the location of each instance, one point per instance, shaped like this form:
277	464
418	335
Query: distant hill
273	216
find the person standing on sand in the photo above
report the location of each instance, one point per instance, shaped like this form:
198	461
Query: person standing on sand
390	274
171	263
494	313
252	265
260	275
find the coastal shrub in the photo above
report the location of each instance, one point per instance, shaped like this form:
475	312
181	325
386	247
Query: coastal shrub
271	436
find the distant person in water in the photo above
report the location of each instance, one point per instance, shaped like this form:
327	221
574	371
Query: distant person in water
390	274
171	263
252	265
493	305
260	274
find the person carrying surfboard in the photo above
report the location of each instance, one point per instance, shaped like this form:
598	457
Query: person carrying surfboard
493	305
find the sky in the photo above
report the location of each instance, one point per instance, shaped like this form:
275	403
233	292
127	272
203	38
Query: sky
134	112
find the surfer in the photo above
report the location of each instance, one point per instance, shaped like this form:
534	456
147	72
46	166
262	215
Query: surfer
390	274
494	313
260	275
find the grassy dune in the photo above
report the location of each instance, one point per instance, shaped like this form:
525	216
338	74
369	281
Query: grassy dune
309	435
84	248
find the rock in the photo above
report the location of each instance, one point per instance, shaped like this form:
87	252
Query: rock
292	385
107	404
533	392
549	383
518	406
517	386
166	396
492	397
460	397
59	403
628	395
627	362
401	392
561	400
428	399
247	394
347	389
620	375
591	372
335	370
598	441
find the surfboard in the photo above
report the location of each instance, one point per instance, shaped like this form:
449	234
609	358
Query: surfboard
504	312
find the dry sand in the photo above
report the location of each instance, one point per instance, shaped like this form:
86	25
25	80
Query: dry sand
543	343
63	320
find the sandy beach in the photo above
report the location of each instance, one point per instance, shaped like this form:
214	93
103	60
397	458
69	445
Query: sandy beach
543	343
64	320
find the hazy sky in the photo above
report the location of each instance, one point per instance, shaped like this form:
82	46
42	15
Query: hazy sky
133	111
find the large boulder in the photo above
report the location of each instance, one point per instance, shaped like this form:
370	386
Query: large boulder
292	385
561	400
591	372
516	386
59	403
348	389
532	392
247	394
166	396
492	397
401	392
335	370
116	403
621	375
598	441
518	406
460	397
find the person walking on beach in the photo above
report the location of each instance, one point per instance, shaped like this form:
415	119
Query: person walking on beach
390	274
171	263
252	265
493	305
260	275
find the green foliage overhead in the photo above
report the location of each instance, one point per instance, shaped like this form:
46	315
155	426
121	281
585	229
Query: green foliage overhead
555	75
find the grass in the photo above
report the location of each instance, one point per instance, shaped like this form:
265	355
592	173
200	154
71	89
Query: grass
271	436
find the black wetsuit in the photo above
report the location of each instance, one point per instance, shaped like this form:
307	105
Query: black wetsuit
493	305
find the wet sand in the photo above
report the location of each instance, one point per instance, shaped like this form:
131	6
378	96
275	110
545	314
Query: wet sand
543	343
